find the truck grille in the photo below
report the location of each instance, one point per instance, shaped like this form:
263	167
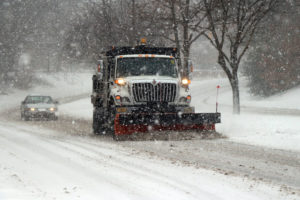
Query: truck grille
147	92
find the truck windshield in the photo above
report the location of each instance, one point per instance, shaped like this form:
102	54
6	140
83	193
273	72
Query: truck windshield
137	66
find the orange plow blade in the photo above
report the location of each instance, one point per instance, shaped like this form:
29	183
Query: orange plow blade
126	124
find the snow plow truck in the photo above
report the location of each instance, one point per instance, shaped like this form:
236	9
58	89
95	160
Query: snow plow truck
139	89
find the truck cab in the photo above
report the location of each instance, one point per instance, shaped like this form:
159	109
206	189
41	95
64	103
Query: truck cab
144	79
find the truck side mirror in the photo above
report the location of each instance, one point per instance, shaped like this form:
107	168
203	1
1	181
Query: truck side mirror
100	67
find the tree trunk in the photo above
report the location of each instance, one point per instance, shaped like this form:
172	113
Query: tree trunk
176	34
234	82
186	55
235	94
186	42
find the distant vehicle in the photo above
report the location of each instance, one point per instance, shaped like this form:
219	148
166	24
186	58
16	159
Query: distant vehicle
40	107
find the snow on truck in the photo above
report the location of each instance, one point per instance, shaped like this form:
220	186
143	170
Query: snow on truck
138	89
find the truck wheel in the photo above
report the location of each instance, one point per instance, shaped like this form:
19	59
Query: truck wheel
98	129
95	126
26	118
112	115
55	118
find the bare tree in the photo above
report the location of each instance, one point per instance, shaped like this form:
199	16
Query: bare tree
109	23
234	23
186	21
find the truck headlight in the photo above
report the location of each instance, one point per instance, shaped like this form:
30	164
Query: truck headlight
120	81
185	81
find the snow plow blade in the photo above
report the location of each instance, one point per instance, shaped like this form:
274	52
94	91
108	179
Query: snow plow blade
131	123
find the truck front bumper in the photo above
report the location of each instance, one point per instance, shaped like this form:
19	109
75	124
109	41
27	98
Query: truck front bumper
154	109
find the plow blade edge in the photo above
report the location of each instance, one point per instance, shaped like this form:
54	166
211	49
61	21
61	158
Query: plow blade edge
131	123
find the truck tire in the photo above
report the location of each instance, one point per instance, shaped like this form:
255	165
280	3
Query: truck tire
98	128
26	118
95	125
55	118
112	115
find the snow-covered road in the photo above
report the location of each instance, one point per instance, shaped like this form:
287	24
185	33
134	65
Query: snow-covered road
38	163
64	160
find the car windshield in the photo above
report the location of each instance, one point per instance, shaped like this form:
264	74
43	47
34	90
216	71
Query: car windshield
137	66
38	99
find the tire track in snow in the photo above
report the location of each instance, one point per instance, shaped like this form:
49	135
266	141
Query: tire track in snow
39	154
117	161
94	154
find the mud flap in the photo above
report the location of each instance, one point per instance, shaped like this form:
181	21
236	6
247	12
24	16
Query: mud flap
131	123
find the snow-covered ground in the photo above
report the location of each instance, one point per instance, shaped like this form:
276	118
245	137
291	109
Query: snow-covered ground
279	131
82	108
38	163
258	127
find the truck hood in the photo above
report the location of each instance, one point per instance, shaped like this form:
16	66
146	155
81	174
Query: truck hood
150	79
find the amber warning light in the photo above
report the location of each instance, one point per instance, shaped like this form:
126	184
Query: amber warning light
143	41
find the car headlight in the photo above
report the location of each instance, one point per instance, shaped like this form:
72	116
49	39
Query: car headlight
52	109
32	109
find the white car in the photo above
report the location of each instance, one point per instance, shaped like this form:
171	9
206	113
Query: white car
38	106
